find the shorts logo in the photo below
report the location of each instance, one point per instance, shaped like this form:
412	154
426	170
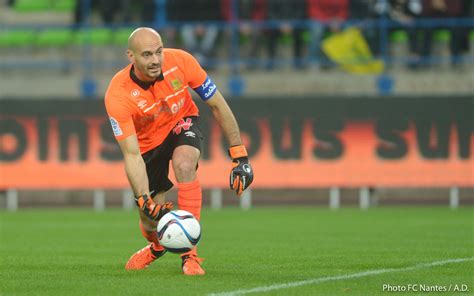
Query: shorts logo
182	125
190	134
135	93
115	127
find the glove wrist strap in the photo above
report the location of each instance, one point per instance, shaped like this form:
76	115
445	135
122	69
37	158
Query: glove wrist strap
144	196
141	199
237	151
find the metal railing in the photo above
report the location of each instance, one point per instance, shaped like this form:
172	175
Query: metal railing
233	59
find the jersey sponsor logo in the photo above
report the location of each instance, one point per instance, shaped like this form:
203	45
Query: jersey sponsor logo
159	108
147	119
176	106
115	127
182	125
135	93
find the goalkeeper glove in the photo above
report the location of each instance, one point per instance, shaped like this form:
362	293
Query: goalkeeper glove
241	175
151	209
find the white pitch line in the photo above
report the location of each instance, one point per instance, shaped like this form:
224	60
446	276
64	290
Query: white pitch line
339	277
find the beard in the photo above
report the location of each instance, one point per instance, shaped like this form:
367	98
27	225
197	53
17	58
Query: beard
153	71
148	72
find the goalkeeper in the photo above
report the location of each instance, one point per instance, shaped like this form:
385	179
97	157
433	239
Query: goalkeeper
155	120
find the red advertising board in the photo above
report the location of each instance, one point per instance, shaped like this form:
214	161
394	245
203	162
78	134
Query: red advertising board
39	158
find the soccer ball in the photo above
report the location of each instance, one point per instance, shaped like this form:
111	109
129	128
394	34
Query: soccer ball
178	231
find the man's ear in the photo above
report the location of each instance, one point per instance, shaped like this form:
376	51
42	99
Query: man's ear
130	56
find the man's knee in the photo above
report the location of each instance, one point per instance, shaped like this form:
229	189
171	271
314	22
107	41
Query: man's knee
185	160
186	169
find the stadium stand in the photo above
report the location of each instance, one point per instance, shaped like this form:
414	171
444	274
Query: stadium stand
42	35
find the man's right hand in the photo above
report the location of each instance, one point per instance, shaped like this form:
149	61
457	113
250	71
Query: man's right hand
151	209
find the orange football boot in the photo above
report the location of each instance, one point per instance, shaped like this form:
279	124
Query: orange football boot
192	265
144	257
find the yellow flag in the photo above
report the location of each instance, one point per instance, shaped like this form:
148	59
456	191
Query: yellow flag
349	49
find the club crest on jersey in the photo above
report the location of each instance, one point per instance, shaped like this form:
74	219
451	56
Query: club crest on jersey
176	84
182	125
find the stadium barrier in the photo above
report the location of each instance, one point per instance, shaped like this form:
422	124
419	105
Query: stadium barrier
365	143
85	36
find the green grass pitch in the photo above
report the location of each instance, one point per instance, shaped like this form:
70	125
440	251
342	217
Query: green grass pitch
80	252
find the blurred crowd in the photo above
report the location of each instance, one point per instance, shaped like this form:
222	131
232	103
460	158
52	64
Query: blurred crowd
263	24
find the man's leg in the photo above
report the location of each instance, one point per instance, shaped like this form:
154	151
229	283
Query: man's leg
184	160
153	250
148	226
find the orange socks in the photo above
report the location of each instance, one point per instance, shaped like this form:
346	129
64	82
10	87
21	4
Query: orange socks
152	237
190	197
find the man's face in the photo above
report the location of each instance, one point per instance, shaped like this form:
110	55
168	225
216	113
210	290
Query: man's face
147	59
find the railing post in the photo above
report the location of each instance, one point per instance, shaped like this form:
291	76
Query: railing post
246	199
334	198
12	200
454	197
127	199
216	198
160	14
99	200
364	198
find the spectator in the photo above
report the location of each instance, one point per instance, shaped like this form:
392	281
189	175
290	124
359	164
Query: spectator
469	12
116	11
284	11
324	14
110	11
404	13
247	11
200	37
441	9
147	10
469	4
173	14
363	12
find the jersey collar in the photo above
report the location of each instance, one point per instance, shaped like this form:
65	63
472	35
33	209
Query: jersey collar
144	84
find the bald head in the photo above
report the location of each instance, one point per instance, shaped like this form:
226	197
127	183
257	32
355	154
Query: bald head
143	37
145	52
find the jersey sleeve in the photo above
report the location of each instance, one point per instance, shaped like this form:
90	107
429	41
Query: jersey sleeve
198	79
120	117
195	74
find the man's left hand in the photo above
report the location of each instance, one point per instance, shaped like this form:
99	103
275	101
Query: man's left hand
241	175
